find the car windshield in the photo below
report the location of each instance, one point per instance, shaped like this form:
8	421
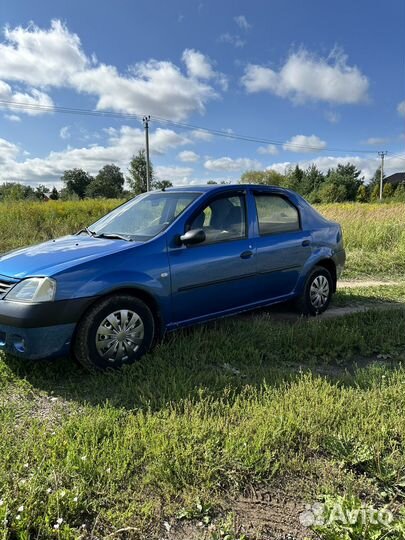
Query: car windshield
144	217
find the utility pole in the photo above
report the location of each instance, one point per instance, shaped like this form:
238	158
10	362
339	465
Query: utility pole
382	156
146	120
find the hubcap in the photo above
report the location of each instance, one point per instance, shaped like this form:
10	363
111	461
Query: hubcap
319	292
119	335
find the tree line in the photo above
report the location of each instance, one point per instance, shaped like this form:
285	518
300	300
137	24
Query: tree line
108	183
339	184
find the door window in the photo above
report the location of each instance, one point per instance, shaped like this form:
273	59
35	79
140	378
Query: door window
223	219
276	214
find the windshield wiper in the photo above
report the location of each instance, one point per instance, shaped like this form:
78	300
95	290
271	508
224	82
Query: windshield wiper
86	230
113	236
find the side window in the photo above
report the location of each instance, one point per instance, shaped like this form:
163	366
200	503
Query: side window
276	214
223	219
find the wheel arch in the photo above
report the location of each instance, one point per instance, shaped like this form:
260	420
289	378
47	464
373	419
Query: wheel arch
136	292
329	265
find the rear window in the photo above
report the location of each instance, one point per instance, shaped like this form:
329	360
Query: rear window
276	214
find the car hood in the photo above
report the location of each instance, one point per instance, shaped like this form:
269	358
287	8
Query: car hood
54	256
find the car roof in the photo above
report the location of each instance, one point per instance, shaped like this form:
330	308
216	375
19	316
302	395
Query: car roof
206	188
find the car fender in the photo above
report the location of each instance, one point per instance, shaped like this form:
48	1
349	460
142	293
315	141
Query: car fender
317	255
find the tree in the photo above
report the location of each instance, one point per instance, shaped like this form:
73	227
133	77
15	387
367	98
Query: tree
76	182
362	194
294	178
399	194
54	195
331	192
137	173
13	191
161	184
41	192
108	183
388	191
269	177
311	180
350	178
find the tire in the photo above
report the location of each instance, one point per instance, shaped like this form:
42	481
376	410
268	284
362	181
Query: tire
116	331
311	302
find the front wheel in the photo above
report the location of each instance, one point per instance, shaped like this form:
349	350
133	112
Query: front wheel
317	292
116	331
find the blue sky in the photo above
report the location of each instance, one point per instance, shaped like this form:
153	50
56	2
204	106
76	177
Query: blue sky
324	80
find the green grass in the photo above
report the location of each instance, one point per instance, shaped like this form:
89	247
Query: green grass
374	237
374	233
195	422
214	410
375	295
25	223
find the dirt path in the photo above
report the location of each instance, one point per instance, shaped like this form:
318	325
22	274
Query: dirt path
353	284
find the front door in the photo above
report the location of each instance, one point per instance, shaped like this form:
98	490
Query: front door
218	274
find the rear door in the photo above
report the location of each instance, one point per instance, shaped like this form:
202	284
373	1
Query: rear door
218	274
283	246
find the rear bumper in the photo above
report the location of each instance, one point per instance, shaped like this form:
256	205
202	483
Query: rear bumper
35	343
340	259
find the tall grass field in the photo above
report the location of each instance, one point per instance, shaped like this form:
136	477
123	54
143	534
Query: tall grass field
374	233
227	431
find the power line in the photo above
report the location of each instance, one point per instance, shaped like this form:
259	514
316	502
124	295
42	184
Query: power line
159	119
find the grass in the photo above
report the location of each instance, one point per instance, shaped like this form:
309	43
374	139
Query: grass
213	411
193	423
374	295
374	233
374	238
25	223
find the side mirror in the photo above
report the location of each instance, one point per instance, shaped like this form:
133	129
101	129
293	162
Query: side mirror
192	237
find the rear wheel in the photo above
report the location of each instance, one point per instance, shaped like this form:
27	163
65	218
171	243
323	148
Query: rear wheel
116	331
317	292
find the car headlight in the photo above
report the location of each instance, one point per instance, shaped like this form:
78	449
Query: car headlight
33	290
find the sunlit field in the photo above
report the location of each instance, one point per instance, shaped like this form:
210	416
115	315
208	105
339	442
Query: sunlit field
374	233
224	429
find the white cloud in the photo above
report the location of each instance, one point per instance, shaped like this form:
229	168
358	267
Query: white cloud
188	156
55	58
242	22
14	100
304	143
64	132
376	141
197	64
41	57
232	39
121	145
201	67
12	117
230	164
201	135
332	117
401	108
174	174
306	77
269	149
8	152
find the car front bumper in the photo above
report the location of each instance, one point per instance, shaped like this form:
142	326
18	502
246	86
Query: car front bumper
35	343
34	331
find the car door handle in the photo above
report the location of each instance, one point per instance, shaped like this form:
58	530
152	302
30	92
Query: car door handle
246	254
306	243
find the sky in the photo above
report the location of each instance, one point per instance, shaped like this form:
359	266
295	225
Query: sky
318	82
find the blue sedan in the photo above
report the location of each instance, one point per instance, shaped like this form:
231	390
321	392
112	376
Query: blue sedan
165	260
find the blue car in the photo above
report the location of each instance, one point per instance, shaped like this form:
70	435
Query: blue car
162	261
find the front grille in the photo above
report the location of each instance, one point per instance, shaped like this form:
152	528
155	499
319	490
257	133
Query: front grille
5	286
